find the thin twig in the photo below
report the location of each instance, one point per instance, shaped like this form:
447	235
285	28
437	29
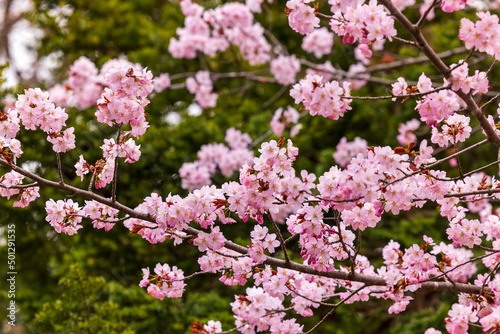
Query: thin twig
489	101
275	97
404	41
388	97
412	61
92	179
424	15
280	237
334	308
115	171
344	246
20	186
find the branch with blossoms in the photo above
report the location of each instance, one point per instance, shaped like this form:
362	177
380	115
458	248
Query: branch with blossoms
305	247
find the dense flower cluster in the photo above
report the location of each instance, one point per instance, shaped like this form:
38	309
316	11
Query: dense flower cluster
36	110
125	97
369	24
102	215
11	184
168	282
84	83
330	99
406	132
346	150
481	35
301	16
65	216
210	31
162	82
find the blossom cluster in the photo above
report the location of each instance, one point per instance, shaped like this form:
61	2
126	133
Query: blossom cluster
319	42
369	24
406	132
162	82
330	99
455	129
346	150
325	215
461	80
10	147
167	282
439	107
434	106
201	85
284	118
210	31
64	216
284	69
102	215
301	16
481	35
11	184
36	110
125	97
84	83
217	157
122	103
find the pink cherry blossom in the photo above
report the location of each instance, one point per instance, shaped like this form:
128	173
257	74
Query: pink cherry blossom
65	216
406	132
167	282
329	100
319	42
201	86
301	16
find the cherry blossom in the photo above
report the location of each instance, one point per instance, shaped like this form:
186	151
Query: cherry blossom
65	216
319	42
167	282
284	69
327	100
301	16
201	86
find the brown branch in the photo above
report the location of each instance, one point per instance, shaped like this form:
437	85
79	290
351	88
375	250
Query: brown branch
388	97
20	186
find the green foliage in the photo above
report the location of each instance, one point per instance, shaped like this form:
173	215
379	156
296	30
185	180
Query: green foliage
83	307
